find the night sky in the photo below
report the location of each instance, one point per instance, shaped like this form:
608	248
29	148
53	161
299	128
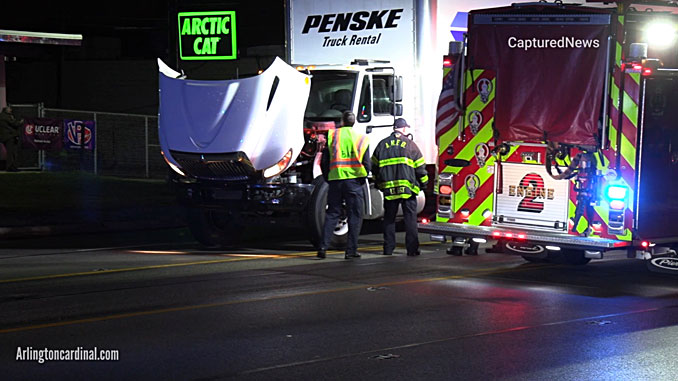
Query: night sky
142	27
122	39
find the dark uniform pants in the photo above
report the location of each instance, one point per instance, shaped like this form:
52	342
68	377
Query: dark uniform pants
410	214
350	190
12	148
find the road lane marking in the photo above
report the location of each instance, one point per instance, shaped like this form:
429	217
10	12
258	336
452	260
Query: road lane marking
443	340
470	274
234	257
101	272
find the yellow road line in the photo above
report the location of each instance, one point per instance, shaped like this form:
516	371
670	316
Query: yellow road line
470	274
239	257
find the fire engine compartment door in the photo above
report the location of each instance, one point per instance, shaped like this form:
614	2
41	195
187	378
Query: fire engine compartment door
531	197
550	70
657	205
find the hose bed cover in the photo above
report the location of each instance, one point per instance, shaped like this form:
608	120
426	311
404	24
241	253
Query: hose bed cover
550	69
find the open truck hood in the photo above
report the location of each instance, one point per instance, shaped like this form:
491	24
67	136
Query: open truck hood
261	116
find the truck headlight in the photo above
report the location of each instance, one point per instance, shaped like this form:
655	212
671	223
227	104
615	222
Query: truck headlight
174	167
278	167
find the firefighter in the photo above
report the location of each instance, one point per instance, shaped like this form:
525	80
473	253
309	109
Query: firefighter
345	164
10	131
399	169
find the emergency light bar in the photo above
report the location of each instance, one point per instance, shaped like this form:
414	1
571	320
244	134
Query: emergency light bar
616	192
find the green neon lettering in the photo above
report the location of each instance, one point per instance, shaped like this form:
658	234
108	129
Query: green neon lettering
214	24
224	21
195	45
213	46
196	26
203	25
186	28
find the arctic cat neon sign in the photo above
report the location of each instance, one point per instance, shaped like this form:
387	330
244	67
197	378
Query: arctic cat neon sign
207	35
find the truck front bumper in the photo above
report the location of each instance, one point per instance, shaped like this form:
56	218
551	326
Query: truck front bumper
248	197
537	237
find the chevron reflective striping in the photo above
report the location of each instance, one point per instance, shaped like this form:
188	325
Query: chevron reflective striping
468	150
476	218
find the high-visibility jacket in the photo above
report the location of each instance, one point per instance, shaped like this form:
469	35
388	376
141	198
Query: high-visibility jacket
347	149
399	167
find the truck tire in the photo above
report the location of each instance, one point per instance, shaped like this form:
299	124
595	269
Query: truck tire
214	228
315	217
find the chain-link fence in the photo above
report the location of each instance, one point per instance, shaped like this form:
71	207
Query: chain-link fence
125	145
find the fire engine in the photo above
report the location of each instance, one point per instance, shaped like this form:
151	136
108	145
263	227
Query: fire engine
557	136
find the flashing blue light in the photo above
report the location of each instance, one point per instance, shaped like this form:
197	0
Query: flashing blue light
616	192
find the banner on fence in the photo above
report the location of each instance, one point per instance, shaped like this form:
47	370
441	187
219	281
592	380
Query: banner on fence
43	134
74	131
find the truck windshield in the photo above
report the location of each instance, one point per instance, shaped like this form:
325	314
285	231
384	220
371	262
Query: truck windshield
331	94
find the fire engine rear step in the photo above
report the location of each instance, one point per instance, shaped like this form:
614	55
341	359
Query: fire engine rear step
537	237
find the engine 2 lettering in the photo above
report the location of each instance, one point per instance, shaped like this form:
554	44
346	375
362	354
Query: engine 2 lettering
530	191
531	188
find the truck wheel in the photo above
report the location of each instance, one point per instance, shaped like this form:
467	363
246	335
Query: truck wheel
317	206
530	252
214	228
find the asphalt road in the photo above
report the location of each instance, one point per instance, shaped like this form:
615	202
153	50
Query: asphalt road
271	310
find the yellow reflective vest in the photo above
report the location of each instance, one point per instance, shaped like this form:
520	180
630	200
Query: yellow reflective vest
347	149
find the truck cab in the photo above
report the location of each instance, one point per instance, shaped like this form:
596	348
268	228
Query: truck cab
260	164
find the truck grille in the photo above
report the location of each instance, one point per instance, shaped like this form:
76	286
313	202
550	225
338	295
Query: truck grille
223	166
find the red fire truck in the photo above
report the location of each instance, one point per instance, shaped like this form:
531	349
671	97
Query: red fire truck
557	133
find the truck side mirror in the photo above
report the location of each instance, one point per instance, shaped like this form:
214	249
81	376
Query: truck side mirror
398	89
398	109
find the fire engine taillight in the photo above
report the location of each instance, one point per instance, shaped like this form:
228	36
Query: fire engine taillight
510	235
645	244
617	204
447	62
647	71
445	189
617	196
465	213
